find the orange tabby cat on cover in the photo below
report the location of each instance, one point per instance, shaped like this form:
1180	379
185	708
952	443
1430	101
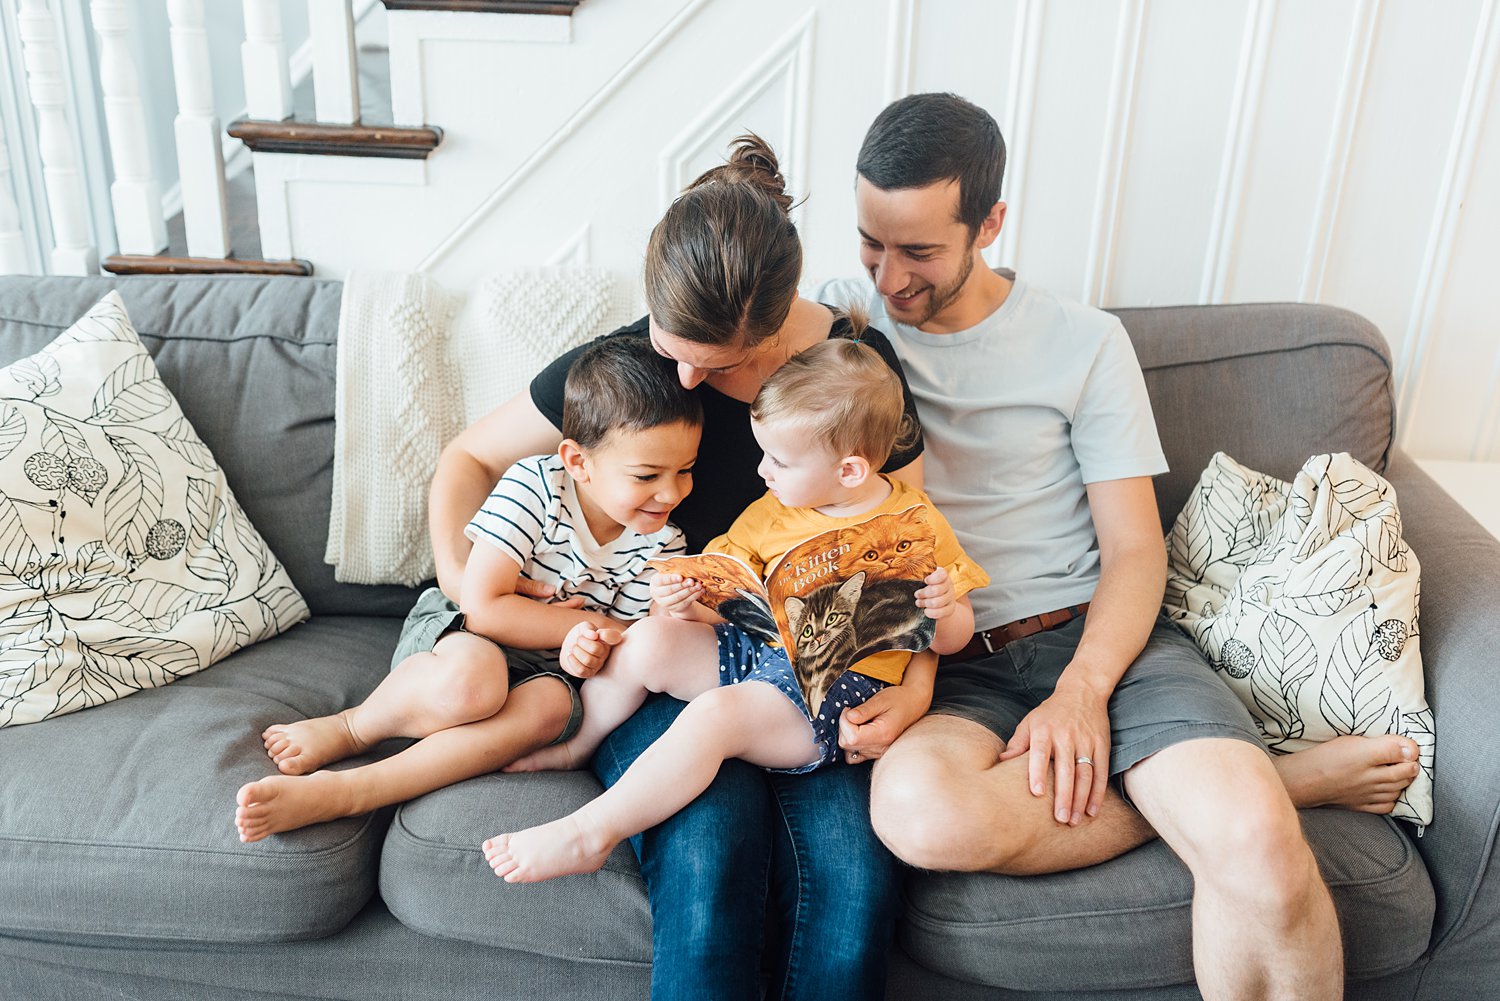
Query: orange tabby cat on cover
826	421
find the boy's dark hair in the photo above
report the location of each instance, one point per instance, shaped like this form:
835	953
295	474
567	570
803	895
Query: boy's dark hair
925	138
621	383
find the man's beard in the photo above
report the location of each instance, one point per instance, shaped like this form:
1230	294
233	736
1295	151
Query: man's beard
939	297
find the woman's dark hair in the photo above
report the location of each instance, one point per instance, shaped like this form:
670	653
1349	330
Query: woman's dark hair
926	138
621	383
723	264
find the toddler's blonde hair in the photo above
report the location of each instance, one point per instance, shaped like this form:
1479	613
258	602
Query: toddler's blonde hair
843	394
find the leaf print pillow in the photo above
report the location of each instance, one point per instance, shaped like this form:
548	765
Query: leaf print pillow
1304	597
125	561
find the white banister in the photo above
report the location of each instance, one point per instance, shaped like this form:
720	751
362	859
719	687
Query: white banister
140	226
72	251
268	80
12	243
330	26
200	155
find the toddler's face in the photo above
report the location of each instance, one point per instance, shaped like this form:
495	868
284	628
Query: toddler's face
637	477
798	470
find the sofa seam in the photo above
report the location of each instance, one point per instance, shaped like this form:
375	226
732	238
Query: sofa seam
279	858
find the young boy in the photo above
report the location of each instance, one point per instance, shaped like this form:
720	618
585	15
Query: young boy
482	686
826	420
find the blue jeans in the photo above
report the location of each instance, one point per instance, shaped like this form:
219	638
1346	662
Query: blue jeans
804	841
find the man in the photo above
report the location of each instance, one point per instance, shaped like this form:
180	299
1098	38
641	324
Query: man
1041	449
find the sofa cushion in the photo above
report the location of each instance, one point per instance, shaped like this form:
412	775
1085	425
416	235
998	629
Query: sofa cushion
126	560
434	878
251	360
1270	384
133	832
1126	923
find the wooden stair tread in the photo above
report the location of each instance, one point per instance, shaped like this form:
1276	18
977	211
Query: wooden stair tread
130	264
322	138
564	7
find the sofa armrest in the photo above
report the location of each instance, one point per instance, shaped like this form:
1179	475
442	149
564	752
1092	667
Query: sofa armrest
1460	641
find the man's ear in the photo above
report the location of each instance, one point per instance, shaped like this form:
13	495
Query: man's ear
989	230
853	471
574	460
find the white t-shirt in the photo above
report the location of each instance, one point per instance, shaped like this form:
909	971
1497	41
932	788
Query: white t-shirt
533	516
1021	411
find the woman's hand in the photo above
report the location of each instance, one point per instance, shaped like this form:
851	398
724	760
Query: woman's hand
866	731
938	597
586	647
674	595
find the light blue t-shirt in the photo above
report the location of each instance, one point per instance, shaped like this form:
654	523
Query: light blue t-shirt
1020	412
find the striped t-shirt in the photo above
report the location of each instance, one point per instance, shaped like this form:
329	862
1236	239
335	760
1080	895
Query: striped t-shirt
533	516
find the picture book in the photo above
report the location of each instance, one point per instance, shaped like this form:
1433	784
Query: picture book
831	600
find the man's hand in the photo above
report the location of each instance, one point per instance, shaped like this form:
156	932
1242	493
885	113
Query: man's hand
675	594
937	598
866	731
586	648
1072	724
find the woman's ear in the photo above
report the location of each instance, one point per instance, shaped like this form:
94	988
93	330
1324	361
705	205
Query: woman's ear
574	460
853	471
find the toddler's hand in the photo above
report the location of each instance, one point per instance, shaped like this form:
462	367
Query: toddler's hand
675	594
586	648
937	597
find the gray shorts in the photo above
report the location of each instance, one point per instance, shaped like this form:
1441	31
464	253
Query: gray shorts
434	616
1169	695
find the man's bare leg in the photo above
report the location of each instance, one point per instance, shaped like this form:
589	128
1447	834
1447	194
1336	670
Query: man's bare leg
462	680
1263	922
942	799
534	714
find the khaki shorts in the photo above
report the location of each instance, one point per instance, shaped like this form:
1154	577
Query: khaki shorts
434	616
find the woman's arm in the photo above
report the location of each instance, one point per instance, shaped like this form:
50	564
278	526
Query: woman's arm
467	471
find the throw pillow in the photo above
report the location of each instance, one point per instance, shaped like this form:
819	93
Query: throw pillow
125	561
1304	596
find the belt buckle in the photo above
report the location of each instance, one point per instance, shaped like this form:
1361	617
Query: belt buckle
984	637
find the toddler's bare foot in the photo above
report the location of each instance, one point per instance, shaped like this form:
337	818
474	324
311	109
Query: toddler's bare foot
1357	773
284	803
556	758
307	745
556	849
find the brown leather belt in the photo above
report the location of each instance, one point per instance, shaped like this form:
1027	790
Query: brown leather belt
993	640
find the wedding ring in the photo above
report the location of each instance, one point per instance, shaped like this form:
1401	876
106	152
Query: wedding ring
1084	760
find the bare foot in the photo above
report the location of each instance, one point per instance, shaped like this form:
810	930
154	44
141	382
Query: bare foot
305	746
556	849
284	803
556	758
1357	773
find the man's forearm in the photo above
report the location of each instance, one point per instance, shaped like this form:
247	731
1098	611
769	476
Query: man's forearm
1120	619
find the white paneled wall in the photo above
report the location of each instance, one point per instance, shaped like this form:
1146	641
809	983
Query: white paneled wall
1161	151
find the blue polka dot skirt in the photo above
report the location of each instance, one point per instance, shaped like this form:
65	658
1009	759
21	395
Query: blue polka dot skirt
742	657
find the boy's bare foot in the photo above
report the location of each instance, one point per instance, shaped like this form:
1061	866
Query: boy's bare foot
307	745
1357	773
284	803
556	758
549	850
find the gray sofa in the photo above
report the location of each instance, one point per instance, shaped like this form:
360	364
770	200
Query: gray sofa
120	872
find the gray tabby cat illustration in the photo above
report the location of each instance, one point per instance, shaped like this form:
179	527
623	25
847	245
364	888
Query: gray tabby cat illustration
824	636
890	619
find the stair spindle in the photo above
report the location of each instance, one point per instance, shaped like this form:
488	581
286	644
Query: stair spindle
268	80
330	24
200	155
140	225
73	252
12	243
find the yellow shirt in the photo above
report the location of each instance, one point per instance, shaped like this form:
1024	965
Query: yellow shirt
768	528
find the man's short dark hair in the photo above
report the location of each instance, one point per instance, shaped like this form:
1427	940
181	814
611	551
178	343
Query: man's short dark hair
621	383
925	138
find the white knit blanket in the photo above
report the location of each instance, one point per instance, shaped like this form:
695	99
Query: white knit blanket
416	364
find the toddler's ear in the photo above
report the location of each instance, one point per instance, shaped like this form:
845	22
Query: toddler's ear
574	460
853	470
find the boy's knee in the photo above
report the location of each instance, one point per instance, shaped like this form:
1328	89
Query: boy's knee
471	687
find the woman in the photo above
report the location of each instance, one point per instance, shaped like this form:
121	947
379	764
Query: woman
721	277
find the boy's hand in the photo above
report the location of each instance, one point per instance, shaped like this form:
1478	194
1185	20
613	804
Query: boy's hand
675	594
586	648
866	731
937	598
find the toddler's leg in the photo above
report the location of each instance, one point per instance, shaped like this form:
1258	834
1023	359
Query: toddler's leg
752	720
658	654
460	681
535	713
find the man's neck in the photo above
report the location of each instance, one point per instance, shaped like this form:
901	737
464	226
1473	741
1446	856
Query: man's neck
981	296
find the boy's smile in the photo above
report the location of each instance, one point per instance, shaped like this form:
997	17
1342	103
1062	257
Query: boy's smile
634	479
